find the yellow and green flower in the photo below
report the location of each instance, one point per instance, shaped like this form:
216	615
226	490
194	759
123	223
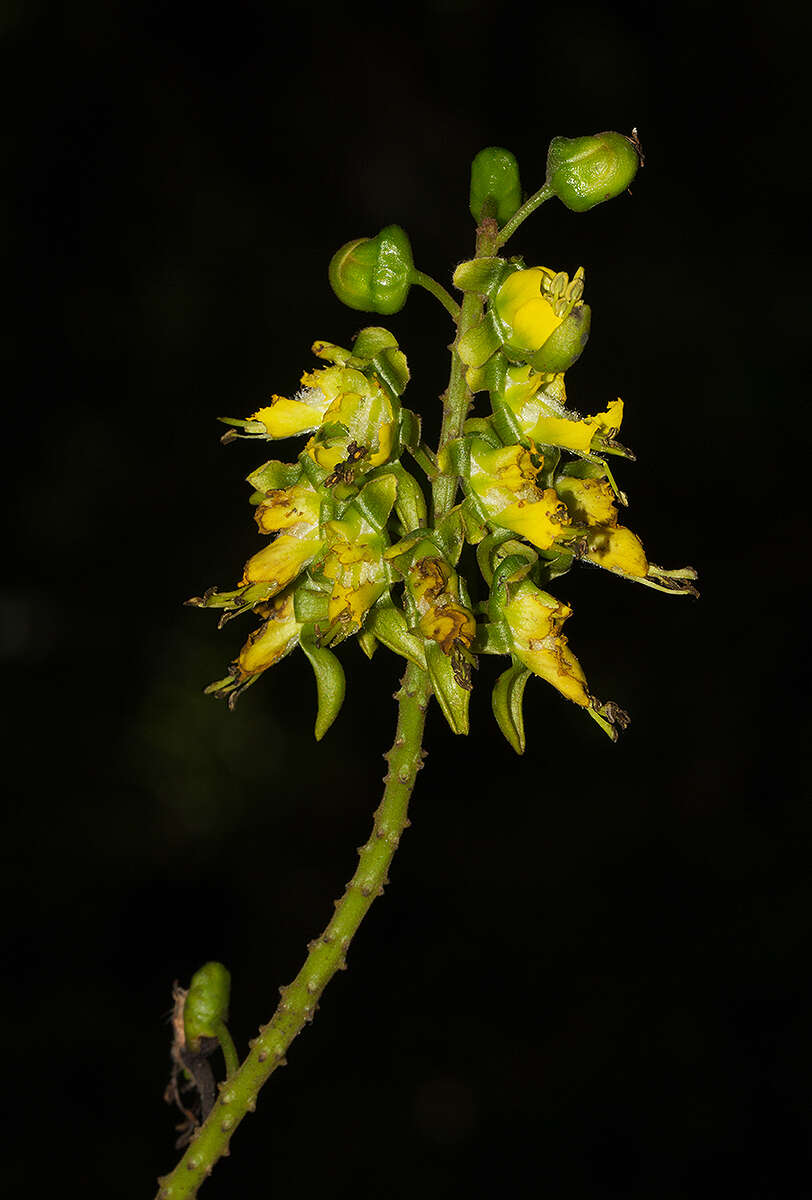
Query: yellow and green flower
276	636
504	483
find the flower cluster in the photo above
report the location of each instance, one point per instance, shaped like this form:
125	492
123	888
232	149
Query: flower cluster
350	550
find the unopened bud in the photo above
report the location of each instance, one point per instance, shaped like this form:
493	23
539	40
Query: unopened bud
585	171
374	274
495	178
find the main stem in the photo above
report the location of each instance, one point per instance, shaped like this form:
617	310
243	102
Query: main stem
327	954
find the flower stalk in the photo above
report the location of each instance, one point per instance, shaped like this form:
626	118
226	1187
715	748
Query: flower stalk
327	954
347	524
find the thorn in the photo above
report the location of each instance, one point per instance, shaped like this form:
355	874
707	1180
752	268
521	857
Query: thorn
261	1057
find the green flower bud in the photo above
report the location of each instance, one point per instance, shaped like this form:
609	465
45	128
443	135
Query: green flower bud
495	177
374	274
206	1007
585	171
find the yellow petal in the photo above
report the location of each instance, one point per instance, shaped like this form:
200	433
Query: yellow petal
540	521
282	561
286	418
351	604
533	614
617	549
274	638
509	467
569	435
286	507
447	625
553	661
589	501
386	438
533	323
535	620
609	422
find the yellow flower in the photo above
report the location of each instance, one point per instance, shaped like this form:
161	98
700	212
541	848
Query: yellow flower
443	619
535	620
528	315
617	549
588	501
504	481
288	554
286	507
539	404
275	638
354	563
286	418
362	407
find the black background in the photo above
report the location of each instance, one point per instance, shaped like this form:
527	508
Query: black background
589	975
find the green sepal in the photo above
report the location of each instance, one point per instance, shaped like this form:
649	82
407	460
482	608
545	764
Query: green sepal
451	535
313	473
486	551
512	569
250	429
551	457
330	680
490	377
455	457
478	344
504	420
376	500
566	344
474	521
409	429
482	275
506	701
492	637
452	698
388	624
235	602
496	189
555	563
392	369
205	1009
337	355
368	642
311	600
401	554
273	475
410	503
371	341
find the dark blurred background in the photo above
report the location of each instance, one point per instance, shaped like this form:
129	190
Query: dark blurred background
589	975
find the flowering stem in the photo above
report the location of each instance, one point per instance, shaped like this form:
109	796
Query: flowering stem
326	955
529	206
458	397
438	291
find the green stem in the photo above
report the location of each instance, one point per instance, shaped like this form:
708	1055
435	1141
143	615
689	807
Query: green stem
438	291
458	396
228	1048
326	955
529	206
